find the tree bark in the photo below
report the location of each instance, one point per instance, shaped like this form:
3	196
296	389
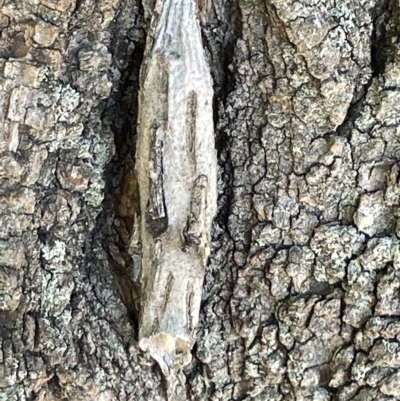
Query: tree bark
300	299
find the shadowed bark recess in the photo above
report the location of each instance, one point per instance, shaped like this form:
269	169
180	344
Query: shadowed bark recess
301	292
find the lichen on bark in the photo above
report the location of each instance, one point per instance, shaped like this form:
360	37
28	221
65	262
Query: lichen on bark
300	296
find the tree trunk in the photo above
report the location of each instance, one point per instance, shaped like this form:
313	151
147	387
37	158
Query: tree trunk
301	293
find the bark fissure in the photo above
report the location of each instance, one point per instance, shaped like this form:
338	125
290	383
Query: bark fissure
300	295
380	15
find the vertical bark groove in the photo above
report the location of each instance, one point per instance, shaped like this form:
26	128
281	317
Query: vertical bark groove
300	296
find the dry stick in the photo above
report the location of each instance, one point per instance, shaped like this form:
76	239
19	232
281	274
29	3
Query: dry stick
176	168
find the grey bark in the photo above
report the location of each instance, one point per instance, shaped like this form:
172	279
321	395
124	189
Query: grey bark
300	299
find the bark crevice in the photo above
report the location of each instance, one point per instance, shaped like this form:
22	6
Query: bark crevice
380	14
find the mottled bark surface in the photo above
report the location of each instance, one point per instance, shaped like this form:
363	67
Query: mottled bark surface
301	297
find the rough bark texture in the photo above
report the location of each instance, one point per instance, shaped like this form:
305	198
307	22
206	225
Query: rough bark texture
301	297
